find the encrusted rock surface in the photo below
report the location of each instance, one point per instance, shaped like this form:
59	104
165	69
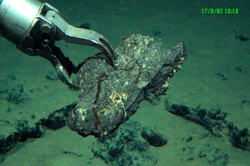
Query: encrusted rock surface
109	95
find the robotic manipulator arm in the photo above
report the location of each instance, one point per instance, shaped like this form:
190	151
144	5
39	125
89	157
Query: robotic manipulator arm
34	27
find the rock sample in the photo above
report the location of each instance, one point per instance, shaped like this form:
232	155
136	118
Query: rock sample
109	95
